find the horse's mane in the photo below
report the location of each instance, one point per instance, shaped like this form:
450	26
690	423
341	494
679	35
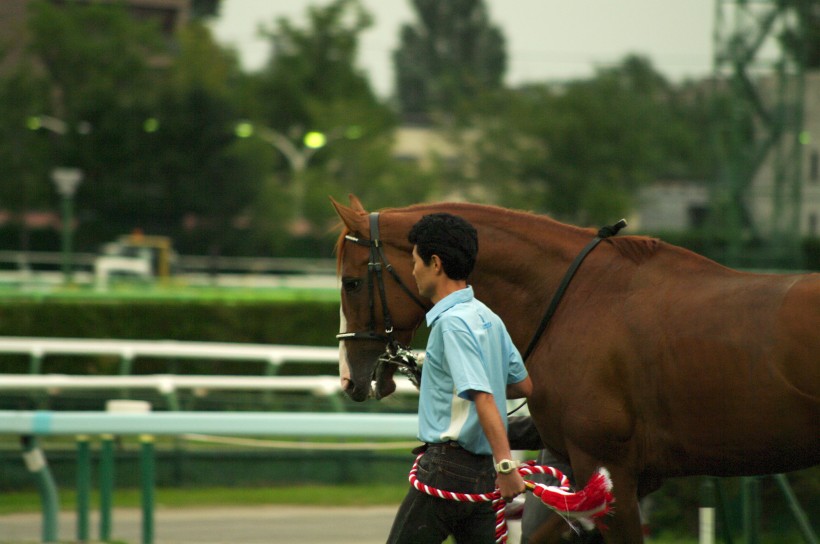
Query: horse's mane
339	247
638	249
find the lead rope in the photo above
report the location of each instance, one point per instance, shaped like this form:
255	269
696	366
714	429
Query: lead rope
589	504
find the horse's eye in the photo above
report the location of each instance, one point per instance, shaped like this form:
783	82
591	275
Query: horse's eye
351	285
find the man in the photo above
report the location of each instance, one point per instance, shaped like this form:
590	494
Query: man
471	367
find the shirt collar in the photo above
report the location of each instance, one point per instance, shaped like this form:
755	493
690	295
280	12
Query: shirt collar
456	297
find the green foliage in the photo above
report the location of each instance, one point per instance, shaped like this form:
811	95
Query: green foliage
316	495
452	55
92	52
317	87
205	8
674	508
314	65
24	181
580	151
159	151
811	253
162	153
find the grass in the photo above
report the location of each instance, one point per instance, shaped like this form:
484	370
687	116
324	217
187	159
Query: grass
302	495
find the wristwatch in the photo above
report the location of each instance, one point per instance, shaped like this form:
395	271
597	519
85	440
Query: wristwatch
505	466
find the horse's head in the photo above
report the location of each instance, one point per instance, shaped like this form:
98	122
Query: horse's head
380	305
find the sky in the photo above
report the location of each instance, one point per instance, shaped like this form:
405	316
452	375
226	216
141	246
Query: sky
546	39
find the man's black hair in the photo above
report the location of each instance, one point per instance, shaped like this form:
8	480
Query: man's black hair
450	237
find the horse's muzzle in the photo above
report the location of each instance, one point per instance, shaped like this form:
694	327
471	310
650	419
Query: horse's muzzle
355	392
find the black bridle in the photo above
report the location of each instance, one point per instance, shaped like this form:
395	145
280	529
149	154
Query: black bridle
395	353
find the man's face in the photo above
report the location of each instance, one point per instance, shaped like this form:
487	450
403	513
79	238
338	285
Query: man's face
424	274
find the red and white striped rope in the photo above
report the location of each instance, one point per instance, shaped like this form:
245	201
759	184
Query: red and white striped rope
592	502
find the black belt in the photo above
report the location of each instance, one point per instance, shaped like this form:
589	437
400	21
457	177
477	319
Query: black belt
447	447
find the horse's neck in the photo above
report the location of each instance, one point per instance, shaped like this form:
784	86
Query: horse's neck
522	258
521	264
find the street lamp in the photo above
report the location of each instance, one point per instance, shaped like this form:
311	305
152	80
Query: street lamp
298	157
67	180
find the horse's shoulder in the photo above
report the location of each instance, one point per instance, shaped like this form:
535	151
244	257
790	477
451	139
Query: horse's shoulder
636	248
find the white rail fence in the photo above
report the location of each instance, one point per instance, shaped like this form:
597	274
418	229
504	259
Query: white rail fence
31	424
129	350
169	384
307	424
166	384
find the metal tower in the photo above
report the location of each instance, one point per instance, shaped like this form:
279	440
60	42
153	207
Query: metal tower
759	60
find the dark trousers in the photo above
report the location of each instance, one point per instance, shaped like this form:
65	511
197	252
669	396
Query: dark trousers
424	519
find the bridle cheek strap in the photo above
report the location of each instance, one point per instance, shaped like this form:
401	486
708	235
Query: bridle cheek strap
375	279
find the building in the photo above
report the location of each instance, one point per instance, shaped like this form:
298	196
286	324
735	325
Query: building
804	203
666	206
169	14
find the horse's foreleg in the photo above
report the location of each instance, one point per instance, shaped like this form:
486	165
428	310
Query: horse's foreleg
623	525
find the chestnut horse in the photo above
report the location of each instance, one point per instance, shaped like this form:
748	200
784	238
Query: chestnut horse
657	362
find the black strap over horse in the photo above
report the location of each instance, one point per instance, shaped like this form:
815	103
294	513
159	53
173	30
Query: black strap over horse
400	355
603	233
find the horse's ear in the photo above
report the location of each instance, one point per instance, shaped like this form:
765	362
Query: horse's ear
355	203
354	219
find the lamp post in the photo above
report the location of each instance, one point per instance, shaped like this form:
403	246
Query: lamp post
67	180
298	157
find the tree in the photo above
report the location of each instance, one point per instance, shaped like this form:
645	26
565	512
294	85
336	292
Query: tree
312	85
450	56
205	8
24	184
203	182
582	150
94	61
315	64
160	153
804	44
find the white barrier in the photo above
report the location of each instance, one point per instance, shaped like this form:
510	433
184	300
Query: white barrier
300	424
170	383
128	350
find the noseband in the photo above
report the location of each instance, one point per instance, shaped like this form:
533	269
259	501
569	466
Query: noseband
394	353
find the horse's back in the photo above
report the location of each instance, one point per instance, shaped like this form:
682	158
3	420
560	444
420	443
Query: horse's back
798	332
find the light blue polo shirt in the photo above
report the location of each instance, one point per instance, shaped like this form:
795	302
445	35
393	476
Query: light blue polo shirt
469	348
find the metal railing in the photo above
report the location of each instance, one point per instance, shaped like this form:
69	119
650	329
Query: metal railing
31	425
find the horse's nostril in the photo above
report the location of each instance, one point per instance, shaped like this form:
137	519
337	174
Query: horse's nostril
357	394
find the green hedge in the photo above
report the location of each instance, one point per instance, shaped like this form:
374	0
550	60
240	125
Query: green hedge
312	323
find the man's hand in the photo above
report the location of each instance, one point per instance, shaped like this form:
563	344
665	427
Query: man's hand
510	485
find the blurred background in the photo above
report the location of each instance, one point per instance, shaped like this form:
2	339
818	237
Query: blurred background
219	128
196	142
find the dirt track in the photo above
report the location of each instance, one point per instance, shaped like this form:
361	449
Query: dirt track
248	525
